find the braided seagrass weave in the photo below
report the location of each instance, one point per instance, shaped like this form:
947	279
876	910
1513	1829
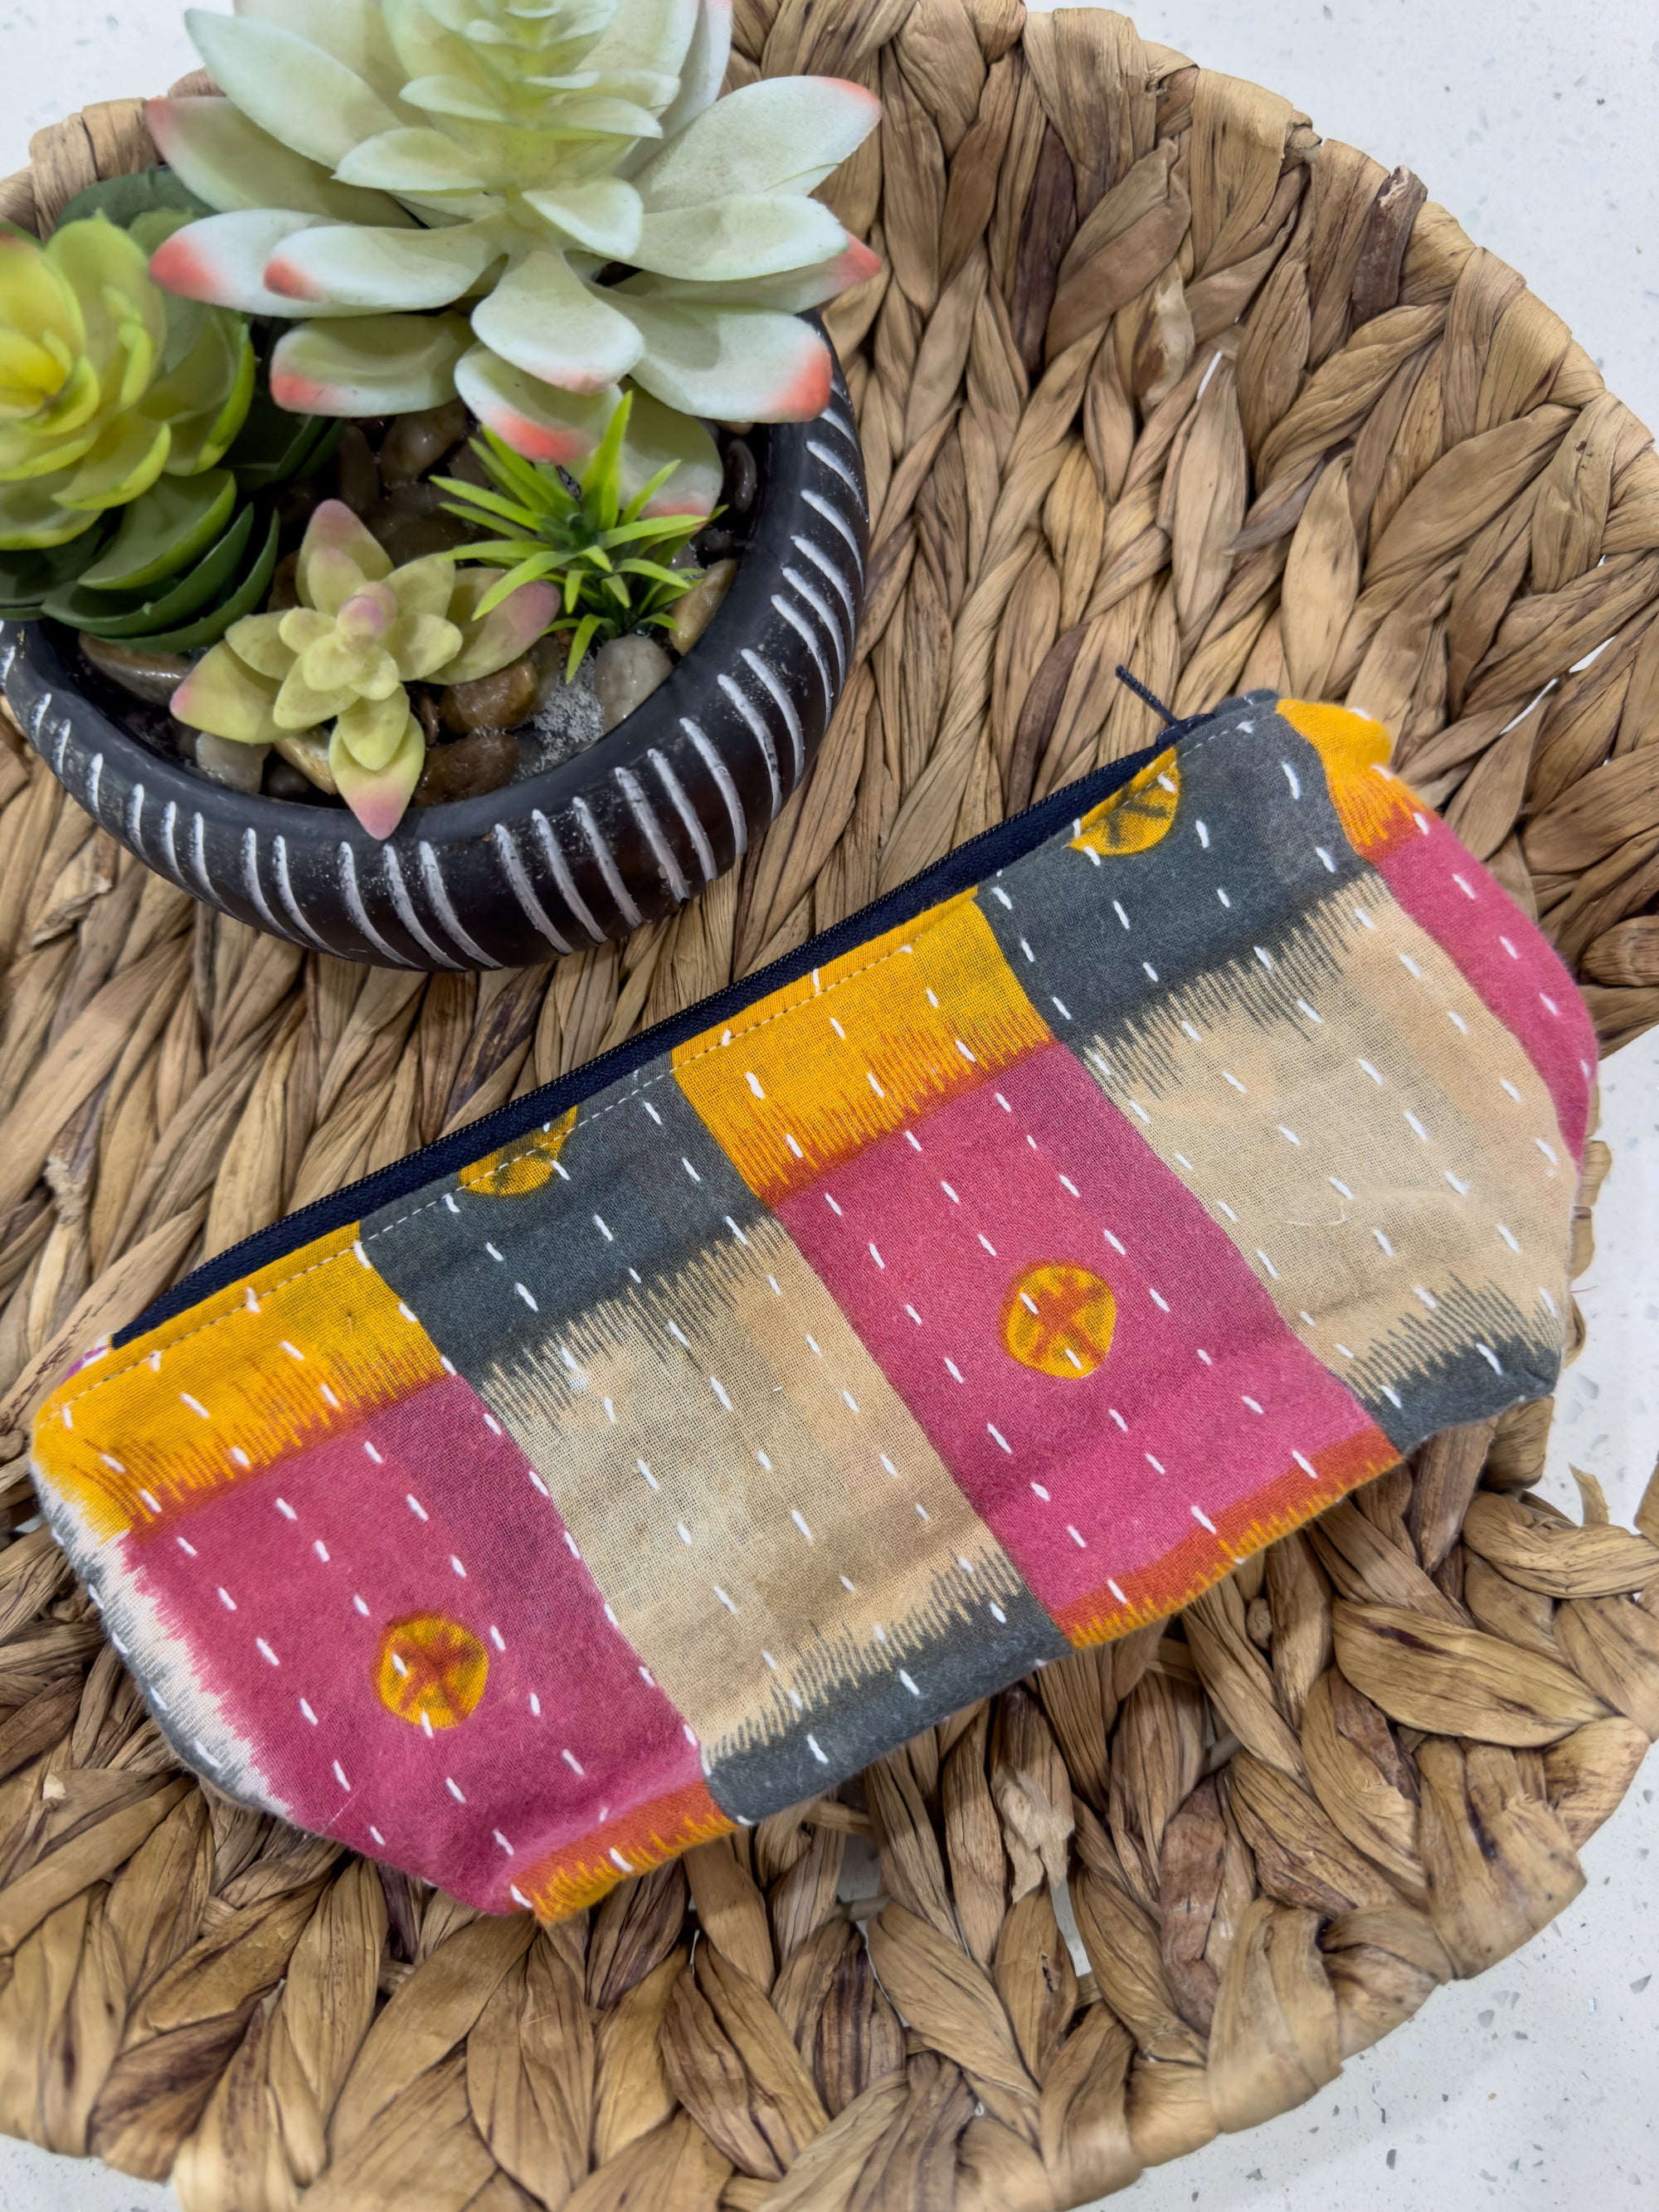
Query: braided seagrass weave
1151	375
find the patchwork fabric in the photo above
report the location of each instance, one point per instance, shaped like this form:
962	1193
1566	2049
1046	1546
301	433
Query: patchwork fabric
990	1286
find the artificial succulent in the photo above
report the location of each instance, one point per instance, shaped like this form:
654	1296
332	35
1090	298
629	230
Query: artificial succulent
107	383
191	556
166	571
558	174
604	555
340	660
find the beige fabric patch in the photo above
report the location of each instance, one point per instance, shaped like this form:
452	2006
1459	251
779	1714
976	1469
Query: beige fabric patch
727	1455
1378	1146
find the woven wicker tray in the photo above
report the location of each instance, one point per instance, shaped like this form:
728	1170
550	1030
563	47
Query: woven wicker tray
1156	378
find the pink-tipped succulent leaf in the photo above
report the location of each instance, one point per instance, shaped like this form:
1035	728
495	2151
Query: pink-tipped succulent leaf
543	319
222	259
225	697
368	364
540	421
490	641
372	163
339	663
338	555
378	797
747	364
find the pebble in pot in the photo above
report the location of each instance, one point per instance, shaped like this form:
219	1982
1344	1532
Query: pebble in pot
742	478
356	479
307	752
295	505
410	522
416	442
227	761
284	586
467	468
467	768
694	613
499	701
626	671
153	676
284	781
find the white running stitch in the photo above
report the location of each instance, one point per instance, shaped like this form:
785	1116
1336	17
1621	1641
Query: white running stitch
668	1074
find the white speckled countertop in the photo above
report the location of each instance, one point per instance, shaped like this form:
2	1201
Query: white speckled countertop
1532	2088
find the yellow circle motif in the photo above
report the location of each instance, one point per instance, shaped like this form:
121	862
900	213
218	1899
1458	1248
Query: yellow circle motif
1137	818
1059	1320
521	1167
430	1669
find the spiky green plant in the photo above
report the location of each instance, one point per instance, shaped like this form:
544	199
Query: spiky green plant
605	556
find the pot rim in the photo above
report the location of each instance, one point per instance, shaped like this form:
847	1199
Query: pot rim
457	820
626	830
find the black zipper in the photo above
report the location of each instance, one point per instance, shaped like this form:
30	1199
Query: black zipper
960	869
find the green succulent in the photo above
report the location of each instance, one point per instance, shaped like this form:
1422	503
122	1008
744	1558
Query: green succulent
606	558
107	383
183	563
170	568
186	559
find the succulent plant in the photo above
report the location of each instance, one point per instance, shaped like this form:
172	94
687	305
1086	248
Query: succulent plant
343	657
105	381
166	567
562	170
186	558
606	558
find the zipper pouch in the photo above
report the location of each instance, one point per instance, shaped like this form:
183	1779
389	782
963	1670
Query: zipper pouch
984	1279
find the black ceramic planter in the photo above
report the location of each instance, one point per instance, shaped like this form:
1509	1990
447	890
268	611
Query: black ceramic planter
622	834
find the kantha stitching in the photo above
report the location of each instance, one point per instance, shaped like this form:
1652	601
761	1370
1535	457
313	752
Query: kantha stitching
926	922
628	1099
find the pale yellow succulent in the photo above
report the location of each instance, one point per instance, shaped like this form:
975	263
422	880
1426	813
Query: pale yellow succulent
363	632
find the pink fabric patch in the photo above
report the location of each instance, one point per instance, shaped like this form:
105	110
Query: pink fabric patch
1506	959
292	1578
1203	1398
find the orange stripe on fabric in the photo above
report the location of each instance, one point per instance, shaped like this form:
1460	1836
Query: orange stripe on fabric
299	1350
633	1843
1375	808
809	1076
1153	1592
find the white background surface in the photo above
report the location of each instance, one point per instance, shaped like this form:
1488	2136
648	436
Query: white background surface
1533	2088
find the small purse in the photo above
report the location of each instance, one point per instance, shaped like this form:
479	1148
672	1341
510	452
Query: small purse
984	1279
